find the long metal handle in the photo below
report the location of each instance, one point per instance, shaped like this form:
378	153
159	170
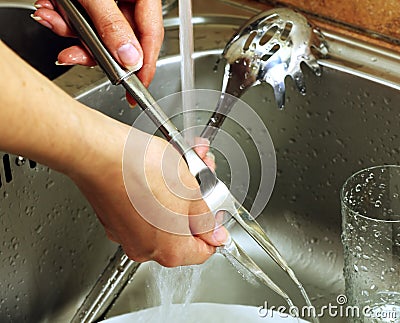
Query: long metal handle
118	75
224	106
107	289
226	101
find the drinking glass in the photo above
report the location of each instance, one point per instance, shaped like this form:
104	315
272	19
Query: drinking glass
370	202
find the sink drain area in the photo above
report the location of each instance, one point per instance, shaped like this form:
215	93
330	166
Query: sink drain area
7	160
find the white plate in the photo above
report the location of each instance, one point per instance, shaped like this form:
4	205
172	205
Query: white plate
205	313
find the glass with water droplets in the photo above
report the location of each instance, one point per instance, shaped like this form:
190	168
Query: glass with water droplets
370	201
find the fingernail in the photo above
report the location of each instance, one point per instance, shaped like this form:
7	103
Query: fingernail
41	21
132	106
220	234
210	155
130	57
38	6
61	64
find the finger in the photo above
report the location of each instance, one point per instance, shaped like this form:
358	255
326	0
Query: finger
202	148
217	237
184	251
44	4
111	236
203	252
210	160
205	226
150	31
130	100
75	55
52	20
115	32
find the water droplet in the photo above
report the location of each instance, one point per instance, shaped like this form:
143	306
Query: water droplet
19	161
50	184
370	177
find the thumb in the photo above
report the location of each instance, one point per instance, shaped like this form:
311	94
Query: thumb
204	226
115	32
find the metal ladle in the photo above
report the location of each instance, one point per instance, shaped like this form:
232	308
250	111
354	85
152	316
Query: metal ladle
269	47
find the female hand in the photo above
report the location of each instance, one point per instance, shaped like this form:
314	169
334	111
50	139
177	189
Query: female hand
132	31
140	189
152	206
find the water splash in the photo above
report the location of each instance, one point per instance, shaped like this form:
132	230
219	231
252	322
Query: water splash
173	286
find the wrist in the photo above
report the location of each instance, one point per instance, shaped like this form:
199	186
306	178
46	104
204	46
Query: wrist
98	146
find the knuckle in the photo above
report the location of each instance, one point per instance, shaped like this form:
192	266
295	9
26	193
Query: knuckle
170	260
112	24
135	255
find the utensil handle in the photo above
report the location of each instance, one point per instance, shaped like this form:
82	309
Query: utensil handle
78	20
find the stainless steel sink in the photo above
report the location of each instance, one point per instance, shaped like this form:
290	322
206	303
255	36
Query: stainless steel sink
347	121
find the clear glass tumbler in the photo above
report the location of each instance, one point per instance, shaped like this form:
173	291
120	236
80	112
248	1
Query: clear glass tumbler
370	201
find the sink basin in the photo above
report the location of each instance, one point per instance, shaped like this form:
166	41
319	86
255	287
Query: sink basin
203	313
347	121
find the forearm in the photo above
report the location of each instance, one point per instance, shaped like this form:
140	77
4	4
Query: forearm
38	120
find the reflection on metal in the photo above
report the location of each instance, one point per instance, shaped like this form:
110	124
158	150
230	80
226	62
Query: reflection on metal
107	289
168	5
266	49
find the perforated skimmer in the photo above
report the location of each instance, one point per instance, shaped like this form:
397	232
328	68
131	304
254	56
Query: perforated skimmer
269	47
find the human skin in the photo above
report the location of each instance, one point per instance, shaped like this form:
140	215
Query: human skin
134	38
41	122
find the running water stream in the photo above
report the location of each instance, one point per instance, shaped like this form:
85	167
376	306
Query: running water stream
186	49
177	285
